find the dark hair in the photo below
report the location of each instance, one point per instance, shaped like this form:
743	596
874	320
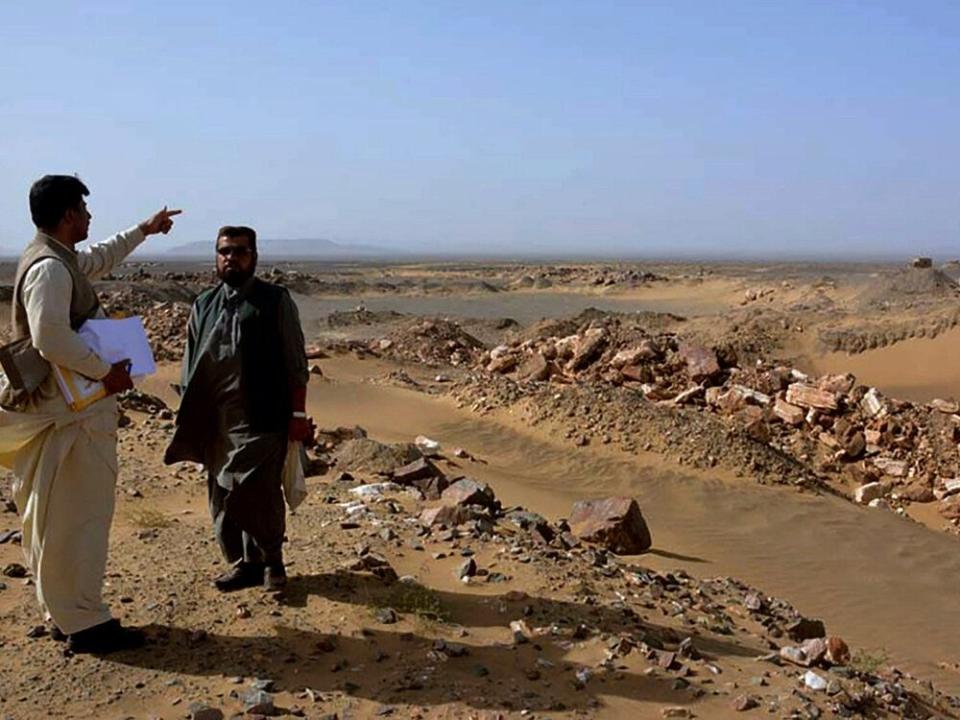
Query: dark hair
51	196
238	231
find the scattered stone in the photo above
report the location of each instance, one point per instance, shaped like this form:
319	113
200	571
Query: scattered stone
448	515
387	616
837	651
808	396
521	632
257	702
199	711
15	570
420	469
14	536
866	493
790	414
468	492
702	363
814	681
467	569
805	629
615	523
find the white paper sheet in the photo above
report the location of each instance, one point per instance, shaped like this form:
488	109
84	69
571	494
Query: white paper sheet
116	340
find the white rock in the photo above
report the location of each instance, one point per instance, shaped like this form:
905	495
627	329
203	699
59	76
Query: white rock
948	487
374	489
873	403
868	493
814	681
426	445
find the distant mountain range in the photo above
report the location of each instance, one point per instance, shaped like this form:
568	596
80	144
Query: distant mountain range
302	248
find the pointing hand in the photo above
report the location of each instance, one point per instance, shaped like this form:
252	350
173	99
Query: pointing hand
160	222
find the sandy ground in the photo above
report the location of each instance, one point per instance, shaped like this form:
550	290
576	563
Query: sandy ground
916	369
887	585
704	522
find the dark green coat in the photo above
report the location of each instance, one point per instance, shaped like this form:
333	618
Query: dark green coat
268	373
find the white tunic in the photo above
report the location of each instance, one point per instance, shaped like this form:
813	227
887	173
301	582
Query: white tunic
65	463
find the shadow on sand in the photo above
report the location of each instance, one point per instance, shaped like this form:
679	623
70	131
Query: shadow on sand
412	667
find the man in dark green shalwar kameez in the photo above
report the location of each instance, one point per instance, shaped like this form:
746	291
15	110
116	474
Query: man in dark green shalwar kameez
243	399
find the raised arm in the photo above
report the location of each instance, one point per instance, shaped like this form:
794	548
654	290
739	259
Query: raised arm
98	260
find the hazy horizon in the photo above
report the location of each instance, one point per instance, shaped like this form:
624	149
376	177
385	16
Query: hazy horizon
682	130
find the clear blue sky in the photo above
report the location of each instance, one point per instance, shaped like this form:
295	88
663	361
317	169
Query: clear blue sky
676	127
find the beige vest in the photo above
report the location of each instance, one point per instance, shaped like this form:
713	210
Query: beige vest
83	300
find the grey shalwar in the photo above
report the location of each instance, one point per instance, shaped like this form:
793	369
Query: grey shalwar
244	465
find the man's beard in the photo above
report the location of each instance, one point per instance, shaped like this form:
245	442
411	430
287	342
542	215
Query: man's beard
236	278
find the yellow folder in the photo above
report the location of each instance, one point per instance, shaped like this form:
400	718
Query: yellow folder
80	392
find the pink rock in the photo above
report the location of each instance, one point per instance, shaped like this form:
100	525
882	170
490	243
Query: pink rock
701	362
449	515
468	492
616	523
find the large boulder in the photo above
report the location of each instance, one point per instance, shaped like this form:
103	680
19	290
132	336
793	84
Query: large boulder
469	492
702	362
615	523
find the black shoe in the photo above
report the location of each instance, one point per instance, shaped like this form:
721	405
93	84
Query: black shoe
242	575
105	638
57	634
274	577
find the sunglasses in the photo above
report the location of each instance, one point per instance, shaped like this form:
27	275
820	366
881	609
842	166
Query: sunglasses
235	250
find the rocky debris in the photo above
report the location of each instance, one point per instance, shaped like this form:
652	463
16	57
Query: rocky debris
541	277
806	629
612	381
257	702
139	401
908	287
613	523
557	600
362	316
743	703
15	570
444	516
364	454
467	569
925	322
865	494
199	711
164	308
702	363
469	492
432	342
422	475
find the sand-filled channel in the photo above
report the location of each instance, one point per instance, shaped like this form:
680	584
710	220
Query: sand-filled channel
918	369
525	306
880	581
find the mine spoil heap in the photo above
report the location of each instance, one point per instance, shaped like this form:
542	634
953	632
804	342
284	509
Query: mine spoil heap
614	381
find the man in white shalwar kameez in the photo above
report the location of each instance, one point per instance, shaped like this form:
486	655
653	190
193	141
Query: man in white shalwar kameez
65	462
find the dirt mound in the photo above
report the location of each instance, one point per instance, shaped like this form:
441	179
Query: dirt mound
648	321
361	316
432	342
872	335
613	382
584	276
364	454
907	287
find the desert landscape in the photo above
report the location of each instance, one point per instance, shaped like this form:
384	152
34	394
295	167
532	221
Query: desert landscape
789	432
